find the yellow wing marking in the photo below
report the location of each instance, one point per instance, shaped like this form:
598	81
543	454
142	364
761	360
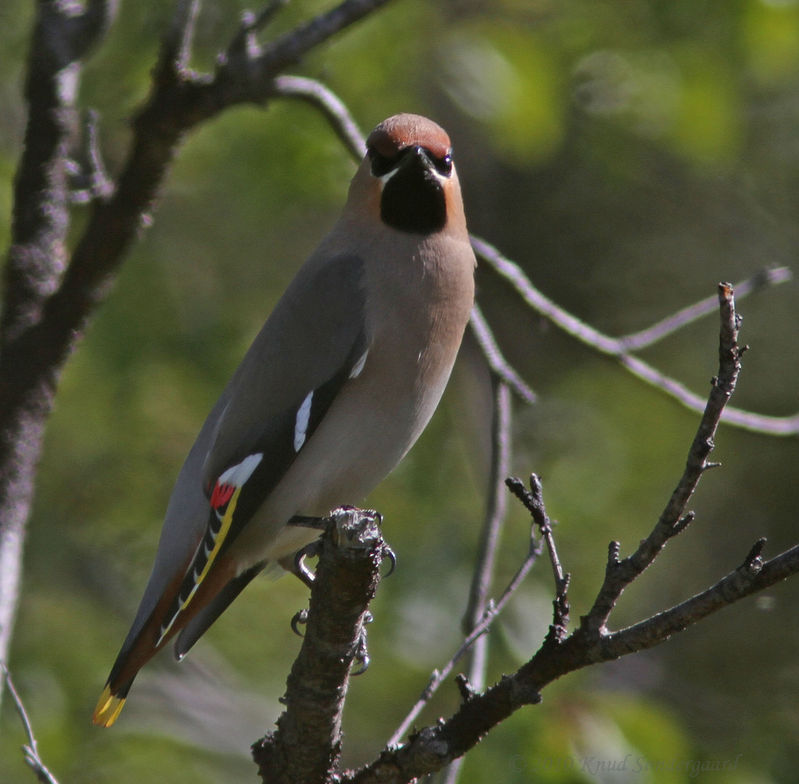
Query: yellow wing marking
224	530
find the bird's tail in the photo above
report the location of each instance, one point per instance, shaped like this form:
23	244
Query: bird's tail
144	642
109	706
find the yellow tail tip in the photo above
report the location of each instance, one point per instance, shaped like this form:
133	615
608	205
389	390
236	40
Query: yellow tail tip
108	708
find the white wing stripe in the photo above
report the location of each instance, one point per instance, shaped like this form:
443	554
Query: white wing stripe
357	368
303	418
237	475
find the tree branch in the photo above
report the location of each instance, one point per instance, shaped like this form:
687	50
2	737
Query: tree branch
433	747
616	348
307	743
48	298
635	341
31	749
673	519
330	105
36	259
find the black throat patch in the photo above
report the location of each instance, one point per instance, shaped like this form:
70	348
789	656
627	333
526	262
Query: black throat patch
413	200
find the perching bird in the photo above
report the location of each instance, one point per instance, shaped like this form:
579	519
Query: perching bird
335	389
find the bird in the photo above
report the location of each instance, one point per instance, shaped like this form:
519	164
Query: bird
336	387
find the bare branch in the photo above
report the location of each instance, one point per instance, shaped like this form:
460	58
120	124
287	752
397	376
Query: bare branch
533	500
760	423
62	35
290	48
31	749
433	747
48	298
331	106
307	742
500	367
772	276
496	507
244	47
673	519
249	76
751	576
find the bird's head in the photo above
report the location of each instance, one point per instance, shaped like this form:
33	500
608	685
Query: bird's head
407	179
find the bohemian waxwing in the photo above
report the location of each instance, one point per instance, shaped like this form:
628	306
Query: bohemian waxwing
335	389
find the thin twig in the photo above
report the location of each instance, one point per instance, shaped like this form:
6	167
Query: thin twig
431	748
331	106
673	520
244	48
485	565
493	611
747	420
177	44
30	750
635	341
496	507
496	361
533	500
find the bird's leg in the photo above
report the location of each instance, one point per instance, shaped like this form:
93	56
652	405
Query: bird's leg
307	521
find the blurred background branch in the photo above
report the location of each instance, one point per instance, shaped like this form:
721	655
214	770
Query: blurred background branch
31	749
619	347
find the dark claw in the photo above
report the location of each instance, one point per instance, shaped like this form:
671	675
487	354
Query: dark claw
296	563
392	558
301	570
361	652
300	617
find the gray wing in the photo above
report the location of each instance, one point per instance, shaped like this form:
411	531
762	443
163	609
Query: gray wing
308	347
305	352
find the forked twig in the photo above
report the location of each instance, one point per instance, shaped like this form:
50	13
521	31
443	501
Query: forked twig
433	747
492	612
674	519
635	341
30	750
533	500
330	105
615	347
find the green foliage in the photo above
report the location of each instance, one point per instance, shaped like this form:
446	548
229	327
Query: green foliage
630	155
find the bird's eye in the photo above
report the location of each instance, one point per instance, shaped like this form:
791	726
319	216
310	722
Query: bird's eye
381	164
444	165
